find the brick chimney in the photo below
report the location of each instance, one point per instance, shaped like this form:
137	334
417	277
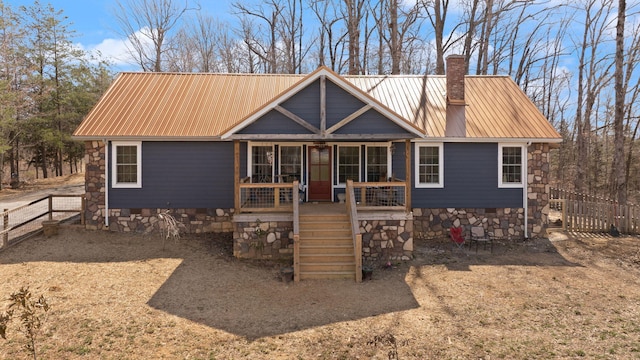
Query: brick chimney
456	122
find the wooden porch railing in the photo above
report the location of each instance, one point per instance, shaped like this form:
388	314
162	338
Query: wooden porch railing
391	195
355	229
296	233
581	212
266	197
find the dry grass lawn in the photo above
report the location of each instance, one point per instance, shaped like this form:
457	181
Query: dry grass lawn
116	296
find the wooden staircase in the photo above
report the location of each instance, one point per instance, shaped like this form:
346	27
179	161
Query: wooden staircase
326	247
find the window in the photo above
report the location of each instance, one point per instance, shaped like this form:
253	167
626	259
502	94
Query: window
291	163
377	169
262	164
511	166
429	165
127	158
348	163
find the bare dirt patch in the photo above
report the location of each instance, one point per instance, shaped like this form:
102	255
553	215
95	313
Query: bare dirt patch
123	296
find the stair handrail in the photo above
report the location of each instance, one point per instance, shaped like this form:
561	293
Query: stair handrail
296	232
355	228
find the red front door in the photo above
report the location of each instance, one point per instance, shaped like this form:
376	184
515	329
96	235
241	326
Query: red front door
319	173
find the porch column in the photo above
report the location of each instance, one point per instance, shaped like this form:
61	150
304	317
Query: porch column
236	175
407	164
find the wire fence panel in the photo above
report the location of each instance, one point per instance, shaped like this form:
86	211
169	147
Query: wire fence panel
266	197
23	221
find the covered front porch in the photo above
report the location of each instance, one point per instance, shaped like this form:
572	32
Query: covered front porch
324	239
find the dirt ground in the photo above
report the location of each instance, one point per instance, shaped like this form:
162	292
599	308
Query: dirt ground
122	296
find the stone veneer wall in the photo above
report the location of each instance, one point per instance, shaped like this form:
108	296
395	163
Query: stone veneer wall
263	239
381	239
434	223
190	221
538	189
95	184
384	240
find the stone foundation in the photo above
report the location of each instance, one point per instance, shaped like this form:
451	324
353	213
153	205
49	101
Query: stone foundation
191	221
94	186
538	189
263	239
385	240
435	223
273	239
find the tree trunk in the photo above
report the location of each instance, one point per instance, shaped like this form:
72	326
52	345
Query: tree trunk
618	155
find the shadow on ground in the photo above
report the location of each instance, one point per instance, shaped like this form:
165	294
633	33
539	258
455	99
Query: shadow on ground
252	303
212	288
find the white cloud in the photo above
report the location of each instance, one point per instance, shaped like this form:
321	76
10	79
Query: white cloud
114	50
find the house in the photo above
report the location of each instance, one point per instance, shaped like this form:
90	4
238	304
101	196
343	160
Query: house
222	152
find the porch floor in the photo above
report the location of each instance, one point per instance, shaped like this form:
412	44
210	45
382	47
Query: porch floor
322	208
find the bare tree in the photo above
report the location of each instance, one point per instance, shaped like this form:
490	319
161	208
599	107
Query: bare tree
269	13
330	39
618	173
593	76
354	15
147	25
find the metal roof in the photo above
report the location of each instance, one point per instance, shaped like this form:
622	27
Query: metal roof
202	106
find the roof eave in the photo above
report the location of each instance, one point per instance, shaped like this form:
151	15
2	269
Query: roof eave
145	138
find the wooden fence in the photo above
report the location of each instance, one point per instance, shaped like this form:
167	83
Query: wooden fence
23	221
582	212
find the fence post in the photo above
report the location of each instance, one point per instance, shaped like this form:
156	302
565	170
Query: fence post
82	208
5	236
50	207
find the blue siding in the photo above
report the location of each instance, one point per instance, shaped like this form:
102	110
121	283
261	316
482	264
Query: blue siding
371	122
274	122
306	104
470	180
181	175
340	104
398	167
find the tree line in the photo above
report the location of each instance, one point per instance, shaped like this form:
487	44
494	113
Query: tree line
47	84
577	60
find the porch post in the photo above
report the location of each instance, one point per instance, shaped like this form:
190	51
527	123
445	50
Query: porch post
407	164
236	175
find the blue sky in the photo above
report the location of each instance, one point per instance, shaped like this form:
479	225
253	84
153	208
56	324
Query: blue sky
96	27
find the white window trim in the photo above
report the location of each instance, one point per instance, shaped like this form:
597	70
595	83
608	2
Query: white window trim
250	146
337	167
523	166
416	165
389	158
114	166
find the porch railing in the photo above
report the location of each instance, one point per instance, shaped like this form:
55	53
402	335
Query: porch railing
296	234
390	195
355	229
264	197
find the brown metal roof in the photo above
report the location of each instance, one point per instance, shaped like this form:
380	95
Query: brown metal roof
202	106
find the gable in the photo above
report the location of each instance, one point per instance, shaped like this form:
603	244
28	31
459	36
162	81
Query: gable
306	104
340	104
371	122
317	108
274	122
